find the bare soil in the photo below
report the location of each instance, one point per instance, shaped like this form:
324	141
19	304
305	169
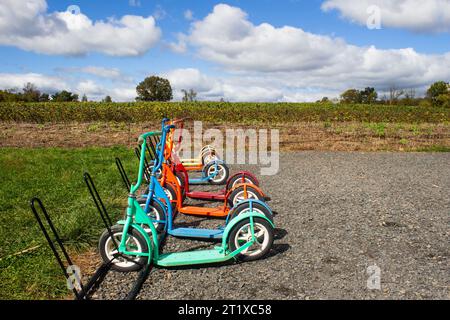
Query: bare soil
347	136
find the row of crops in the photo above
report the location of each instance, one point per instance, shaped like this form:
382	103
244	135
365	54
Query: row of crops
217	112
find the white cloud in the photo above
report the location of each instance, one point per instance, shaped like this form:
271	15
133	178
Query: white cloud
247	89
50	84
180	46
159	13
42	82
26	24
108	73
416	15
89	87
189	15
134	3
299	60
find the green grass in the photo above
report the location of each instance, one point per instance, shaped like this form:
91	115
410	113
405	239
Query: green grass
56	176
436	148
218	112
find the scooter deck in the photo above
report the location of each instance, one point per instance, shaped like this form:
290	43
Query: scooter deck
197	233
192	257
204	211
206	195
198	180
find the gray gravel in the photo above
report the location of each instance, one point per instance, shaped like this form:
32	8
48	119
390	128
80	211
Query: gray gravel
338	214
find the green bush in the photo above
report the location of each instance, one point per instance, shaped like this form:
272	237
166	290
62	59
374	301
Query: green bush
216	112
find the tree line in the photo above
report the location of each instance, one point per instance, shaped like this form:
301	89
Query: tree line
155	88
30	93
438	94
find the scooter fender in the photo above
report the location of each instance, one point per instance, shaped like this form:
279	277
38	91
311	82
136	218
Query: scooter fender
253	201
245	184
218	161
245	173
150	243
238	219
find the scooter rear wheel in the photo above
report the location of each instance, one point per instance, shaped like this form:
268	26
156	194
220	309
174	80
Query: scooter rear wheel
222	175
169	189
135	243
181	181
241	234
241	178
238	195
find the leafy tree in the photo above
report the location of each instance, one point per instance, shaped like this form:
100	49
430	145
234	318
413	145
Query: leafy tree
30	93
84	98
107	99
64	96
189	95
45	97
438	93
324	100
443	100
351	96
154	89
8	96
368	95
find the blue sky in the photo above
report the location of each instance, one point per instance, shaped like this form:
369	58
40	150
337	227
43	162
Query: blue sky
243	50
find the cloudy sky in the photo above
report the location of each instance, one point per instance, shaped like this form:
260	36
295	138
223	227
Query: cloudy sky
242	50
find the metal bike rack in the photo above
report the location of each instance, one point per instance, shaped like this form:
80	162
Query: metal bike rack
123	174
84	292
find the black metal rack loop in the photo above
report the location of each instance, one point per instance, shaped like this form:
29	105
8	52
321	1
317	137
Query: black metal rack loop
84	292
123	174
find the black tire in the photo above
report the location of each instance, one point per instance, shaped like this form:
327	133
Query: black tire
252	193
181	181
220	179
173	195
106	247
238	179
157	212
244	207
266	240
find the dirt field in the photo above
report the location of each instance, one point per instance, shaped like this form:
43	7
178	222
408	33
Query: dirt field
293	137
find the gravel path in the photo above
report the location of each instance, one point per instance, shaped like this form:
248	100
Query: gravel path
339	213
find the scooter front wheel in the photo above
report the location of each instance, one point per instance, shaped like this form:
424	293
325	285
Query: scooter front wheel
156	213
242	234
108	247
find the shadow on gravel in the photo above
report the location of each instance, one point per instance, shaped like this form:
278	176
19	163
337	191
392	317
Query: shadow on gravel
279	234
276	250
